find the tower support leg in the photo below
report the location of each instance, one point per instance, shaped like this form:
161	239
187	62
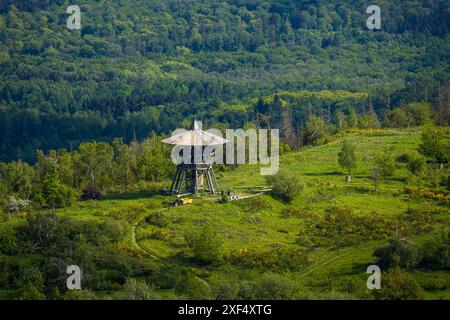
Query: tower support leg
210	182
190	177
173	186
182	176
215	181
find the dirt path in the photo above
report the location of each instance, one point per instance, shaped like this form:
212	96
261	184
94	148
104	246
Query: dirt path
324	264
134	242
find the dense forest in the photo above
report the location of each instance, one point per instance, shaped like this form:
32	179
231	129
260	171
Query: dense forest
364	175
137	67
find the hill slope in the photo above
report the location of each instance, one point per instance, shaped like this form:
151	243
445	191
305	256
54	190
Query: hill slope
142	66
264	240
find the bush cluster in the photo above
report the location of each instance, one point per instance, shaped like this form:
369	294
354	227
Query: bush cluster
206	245
401	255
91	244
281	258
340	226
285	185
17	205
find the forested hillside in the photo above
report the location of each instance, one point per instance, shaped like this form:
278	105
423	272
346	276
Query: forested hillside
146	66
364	166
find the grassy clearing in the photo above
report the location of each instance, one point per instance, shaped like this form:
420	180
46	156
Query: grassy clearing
260	223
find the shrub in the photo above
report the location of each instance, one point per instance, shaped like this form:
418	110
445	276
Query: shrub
274	286
91	192
158	219
40	229
139	290
49	231
294	212
342	227
171	275
439	281
324	194
30	292
436	253
416	163
348	284
286	259
106	231
54	294
435	195
227	290
398	118
435	145
206	245
17	205
417	220
195	287
368	121
128	212
397	285
78	295
158	235
31	275
55	194
8	240
386	164
247	290
420	113
285	185
254	204
398	253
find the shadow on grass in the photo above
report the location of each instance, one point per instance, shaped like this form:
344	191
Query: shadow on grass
398	179
334	173
360	189
131	195
186	261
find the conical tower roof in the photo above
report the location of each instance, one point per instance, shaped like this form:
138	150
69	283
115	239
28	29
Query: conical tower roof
195	137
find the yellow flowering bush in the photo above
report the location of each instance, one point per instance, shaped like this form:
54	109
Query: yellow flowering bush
280	258
442	197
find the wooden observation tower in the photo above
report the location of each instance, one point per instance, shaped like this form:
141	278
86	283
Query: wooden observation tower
190	177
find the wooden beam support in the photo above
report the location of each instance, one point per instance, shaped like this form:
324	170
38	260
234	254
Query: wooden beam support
189	176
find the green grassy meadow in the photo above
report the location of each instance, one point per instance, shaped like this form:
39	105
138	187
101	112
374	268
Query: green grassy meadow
258	223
